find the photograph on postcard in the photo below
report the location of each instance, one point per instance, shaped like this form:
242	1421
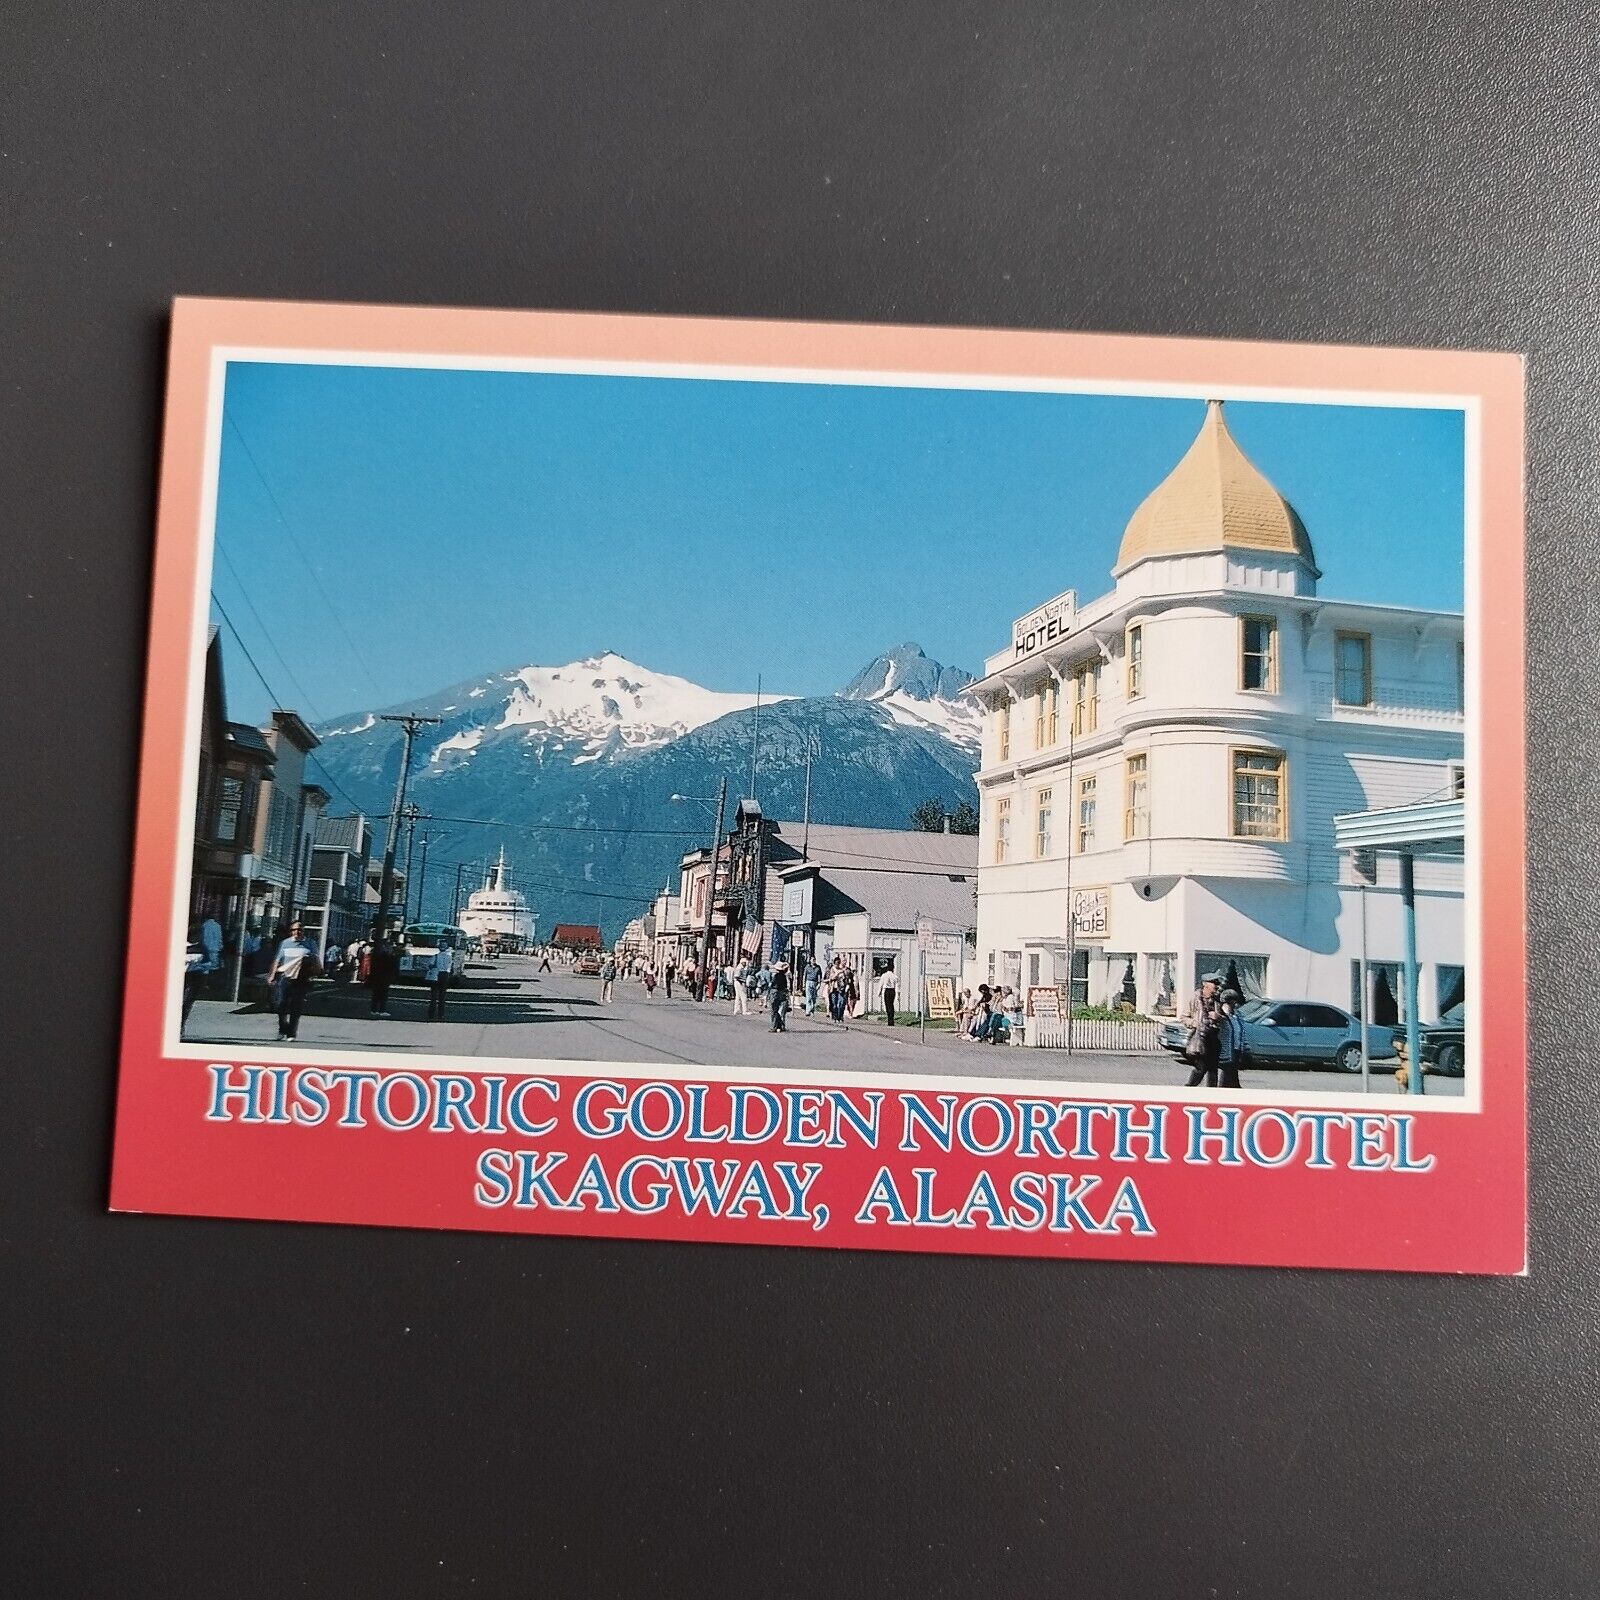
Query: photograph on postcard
961	730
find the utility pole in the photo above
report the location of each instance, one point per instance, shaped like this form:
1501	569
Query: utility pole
409	724
755	739
805	837
455	902
412	813
711	891
422	876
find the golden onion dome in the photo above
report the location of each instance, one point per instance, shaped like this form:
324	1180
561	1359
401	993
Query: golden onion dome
1214	499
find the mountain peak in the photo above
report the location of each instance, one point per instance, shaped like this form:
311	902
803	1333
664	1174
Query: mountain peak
906	670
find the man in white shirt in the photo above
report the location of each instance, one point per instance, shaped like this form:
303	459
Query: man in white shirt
289	980
438	976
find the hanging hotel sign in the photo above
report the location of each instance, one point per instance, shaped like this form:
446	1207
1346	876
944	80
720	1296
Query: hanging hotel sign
622	1114
1048	625
1091	913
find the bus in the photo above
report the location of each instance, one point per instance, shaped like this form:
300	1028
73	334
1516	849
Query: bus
422	940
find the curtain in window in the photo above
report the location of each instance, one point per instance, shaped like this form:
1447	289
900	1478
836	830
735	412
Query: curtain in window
1388	981
1452	987
1246	974
1161	984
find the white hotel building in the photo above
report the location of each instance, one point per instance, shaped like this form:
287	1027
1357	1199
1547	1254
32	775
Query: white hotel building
1171	758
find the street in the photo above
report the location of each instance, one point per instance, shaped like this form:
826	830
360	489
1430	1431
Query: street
511	1010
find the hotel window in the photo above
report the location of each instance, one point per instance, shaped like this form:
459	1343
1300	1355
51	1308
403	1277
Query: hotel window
1086	698
1003	716
1041	823
1087	796
1258	654
1136	660
1136	799
1352	669
1046	721
1002	829
1259	811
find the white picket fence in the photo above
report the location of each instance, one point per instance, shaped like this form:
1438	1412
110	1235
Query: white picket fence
1101	1037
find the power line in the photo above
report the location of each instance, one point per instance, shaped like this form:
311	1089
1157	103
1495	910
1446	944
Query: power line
300	551
244	594
277	699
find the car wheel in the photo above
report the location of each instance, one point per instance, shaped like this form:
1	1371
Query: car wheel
1347	1058
1452	1061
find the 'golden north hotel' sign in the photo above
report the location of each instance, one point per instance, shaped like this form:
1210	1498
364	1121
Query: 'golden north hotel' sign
1045	626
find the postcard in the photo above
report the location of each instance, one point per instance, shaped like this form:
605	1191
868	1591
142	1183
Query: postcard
874	787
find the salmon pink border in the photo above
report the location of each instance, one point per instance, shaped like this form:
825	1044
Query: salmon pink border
1467	1214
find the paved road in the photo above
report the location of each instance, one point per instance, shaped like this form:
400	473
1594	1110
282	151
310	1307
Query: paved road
513	1011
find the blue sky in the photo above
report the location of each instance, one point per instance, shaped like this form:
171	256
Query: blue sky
385	532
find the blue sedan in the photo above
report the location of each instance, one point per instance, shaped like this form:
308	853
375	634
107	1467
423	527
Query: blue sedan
1301	1031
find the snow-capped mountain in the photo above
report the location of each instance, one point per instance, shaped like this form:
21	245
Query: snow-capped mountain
573	769
919	693
585	710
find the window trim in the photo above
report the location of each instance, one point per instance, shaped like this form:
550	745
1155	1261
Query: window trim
1133	681
1043	807
1271	685
1002	828
1003	717
1047	716
1085	703
1365	640
1143	757
1234	752
1085	842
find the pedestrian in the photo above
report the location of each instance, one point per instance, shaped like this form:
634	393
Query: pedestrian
982	1011
194	968
811	977
1014	1019
381	964
608	976
1203	1015
544	959
836	995
888	997
778	999
293	967
741	990
211	943
650	981
1231	1053
670	974
438	974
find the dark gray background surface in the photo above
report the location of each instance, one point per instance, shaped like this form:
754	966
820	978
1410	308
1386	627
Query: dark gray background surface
209	1408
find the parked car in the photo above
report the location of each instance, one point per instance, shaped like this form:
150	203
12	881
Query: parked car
588	966
1303	1032
1443	1044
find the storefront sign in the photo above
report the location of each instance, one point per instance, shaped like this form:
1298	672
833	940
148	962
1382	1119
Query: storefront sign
797	901
1044	1002
941	955
1050	624
941	998
1091	913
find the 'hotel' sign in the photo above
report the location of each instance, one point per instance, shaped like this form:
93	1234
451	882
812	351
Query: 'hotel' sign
1046	626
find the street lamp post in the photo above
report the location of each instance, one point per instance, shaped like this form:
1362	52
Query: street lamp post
711	886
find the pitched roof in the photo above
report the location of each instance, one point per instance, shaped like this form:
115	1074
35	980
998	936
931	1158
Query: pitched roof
833	845
340	833
897	898
575	933
1216	498
249	739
